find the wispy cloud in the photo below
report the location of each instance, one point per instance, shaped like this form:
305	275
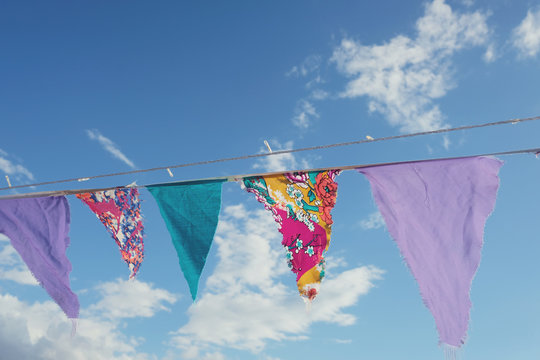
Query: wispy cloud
373	221
446	142
319	94
305	113
343	341
109	146
309	66
403	76
251	298
10	167
526	36
490	55
280	162
309	71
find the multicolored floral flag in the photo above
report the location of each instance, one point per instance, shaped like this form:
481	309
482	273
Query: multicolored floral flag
38	229
436	212
190	211
301	204
120	211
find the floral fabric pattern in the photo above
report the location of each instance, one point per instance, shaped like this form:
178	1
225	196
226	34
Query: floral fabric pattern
119	210
300	203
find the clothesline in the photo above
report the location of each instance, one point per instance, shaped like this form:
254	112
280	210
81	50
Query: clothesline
243	176
279	152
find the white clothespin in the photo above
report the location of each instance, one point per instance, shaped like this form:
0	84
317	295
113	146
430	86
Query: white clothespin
170	172
83	179
8	182
268	146
369	137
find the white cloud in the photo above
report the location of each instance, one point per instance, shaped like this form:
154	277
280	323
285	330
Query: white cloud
403	77
11	265
246	301
109	146
12	169
309	65
446	142
343	341
145	300
490	55
42	331
374	221
315	81
319	94
305	113
526	36
280	162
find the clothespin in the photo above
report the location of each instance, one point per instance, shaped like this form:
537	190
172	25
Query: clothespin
83	179
268	146
170	172
369	137
8	182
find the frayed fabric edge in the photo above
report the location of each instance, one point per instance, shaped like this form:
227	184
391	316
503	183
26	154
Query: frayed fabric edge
74	323
450	352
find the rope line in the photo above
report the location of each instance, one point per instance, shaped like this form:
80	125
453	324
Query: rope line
280	152
240	177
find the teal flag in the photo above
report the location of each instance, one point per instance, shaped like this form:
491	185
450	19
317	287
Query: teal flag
191	212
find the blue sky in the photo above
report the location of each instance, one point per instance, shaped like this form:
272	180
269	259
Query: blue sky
93	88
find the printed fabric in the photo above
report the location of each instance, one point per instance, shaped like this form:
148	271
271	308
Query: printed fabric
119	210
300	203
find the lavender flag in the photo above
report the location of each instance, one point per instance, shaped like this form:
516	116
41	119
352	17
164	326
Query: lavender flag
38	229
436	211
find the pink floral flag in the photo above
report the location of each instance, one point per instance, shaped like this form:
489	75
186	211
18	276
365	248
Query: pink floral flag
301	204
120	211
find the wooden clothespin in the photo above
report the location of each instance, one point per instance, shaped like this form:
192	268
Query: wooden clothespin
268	146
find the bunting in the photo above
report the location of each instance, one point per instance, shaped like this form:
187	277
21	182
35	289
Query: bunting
120	211
436	212
190	211
38	229
300	203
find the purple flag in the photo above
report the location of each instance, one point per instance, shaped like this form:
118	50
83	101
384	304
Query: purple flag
38	229
436	211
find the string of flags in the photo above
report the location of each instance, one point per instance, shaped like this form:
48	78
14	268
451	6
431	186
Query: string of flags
435	210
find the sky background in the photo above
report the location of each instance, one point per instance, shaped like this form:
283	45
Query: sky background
90	88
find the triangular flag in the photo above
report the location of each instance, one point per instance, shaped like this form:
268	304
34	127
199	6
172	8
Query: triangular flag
436	212
120	211
301	204
38	229
191	212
